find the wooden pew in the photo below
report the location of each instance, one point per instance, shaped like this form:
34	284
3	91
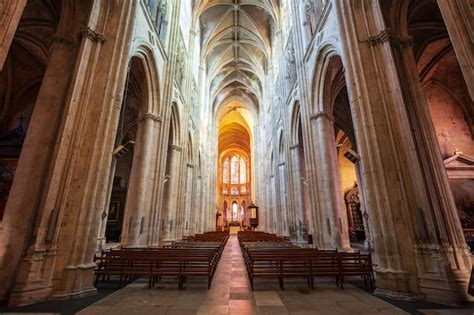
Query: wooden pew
129	264
307	263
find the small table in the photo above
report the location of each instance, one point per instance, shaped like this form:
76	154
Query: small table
234	230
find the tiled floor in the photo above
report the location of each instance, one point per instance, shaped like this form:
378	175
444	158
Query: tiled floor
230	294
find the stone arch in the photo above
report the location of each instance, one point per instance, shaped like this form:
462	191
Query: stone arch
320	82
151	78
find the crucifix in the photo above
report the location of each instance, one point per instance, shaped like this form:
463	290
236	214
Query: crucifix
21	118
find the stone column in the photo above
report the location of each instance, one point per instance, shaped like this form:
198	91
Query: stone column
295	153
441	224
332	214
273	209
28	188
75	113
10	15
137	214
457	16
101	240
189	226
412	230
170	200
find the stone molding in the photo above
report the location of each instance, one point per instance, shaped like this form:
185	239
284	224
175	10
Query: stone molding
62	40
386	35
175	148
322	114
92	35
150	116
382	37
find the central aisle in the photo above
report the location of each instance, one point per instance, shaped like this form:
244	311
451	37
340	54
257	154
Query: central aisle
230	294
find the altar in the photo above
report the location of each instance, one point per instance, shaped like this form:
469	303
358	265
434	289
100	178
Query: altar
234	230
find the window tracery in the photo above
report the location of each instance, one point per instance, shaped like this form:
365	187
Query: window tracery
243	171
225	171
234	172
235	175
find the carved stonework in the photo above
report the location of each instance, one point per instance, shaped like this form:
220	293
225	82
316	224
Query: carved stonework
382	37
150	116
175	148
92	35
322	114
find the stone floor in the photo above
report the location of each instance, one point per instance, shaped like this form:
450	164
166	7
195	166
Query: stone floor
230	294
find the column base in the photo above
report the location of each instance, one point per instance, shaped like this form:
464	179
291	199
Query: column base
75	294
29	295
396	295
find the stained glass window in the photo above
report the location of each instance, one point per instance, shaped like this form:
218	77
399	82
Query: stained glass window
225	171
234	170
235	175
234	191
243	171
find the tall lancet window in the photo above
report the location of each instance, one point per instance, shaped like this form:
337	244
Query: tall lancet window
225	171
234	170
243	171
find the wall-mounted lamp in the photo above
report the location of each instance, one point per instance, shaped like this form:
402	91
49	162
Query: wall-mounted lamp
123	149
352	156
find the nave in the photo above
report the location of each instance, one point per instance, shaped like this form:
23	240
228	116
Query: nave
335	124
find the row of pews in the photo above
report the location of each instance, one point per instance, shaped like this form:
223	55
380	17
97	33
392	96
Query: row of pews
197	256
271	256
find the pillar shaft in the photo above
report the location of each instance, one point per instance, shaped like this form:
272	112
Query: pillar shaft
138	205
298	191
171	197
331	204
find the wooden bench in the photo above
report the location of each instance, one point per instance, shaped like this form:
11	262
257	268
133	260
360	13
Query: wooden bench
129	264
307	263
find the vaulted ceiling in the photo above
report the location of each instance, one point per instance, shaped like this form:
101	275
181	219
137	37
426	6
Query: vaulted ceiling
236	41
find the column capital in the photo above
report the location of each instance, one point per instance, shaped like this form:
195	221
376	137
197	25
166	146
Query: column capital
322	114
150	116
382	37
92	35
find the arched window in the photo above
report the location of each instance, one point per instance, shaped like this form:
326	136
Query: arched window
234	170
243	171
235	175
225	171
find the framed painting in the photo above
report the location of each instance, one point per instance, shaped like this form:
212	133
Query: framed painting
114	207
